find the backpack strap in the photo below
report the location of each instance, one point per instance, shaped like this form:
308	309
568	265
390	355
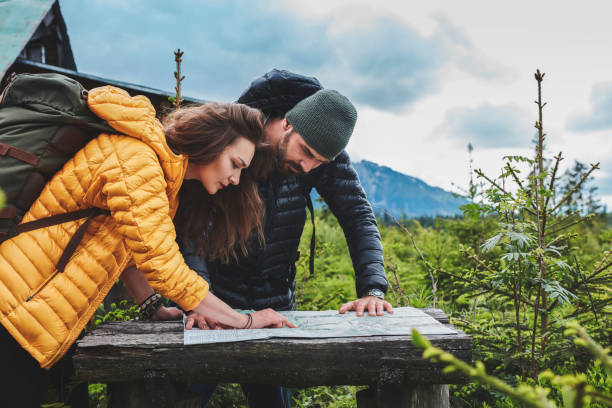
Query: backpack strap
8	212
313	238
16	153
89	213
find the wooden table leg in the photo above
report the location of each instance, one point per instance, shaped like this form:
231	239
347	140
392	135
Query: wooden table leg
367	398
429	396
126	394
159	389
392	391
155	390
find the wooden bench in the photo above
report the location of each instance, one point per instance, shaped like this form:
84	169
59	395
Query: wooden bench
146	364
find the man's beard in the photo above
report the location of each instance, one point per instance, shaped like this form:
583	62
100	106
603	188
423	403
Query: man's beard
288	167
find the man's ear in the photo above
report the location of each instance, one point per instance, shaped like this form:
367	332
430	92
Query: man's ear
286	125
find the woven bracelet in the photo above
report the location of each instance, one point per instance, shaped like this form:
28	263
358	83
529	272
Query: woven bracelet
150	306
148	299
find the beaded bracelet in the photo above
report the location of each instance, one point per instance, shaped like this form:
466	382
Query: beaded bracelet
150	306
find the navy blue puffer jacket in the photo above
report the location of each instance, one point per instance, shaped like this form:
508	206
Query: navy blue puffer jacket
266	276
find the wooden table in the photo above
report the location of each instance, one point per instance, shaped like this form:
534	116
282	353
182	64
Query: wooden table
145	364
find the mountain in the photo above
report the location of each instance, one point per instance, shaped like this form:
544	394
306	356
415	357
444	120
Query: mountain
403	195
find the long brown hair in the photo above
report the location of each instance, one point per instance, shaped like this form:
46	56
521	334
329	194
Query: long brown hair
218	225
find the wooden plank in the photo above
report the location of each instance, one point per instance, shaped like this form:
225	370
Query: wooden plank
437	314
124	351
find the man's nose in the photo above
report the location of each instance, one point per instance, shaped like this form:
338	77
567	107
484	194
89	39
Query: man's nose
308	165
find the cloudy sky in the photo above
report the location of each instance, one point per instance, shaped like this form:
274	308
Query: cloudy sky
427	77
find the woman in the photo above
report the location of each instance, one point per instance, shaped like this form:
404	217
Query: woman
136	175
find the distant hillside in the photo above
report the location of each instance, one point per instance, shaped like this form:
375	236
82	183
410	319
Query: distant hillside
404	195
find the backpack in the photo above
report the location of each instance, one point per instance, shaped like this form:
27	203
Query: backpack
44	121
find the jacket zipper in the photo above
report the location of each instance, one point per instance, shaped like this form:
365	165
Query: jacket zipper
42	285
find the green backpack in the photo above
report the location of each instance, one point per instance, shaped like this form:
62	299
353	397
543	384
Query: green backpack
44	121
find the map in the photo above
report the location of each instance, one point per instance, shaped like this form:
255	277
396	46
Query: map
327	324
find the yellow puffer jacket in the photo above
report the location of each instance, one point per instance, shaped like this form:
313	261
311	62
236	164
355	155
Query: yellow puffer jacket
136	176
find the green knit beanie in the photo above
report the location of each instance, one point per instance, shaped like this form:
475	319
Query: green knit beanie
325	120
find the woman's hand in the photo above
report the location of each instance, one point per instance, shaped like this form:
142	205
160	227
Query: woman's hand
197	320
269	318
168	313
204	323
215	310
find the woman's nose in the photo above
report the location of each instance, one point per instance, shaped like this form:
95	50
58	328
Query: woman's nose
235	178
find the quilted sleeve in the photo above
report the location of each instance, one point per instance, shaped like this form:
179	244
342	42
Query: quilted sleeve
339	185
134	188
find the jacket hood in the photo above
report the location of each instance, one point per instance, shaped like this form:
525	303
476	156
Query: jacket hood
279	90
132	116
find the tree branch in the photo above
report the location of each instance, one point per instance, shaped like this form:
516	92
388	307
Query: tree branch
576	187
481	174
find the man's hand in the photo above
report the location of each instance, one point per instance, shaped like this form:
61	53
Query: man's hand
374	305
168	313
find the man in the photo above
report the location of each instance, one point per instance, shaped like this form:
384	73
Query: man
309	127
